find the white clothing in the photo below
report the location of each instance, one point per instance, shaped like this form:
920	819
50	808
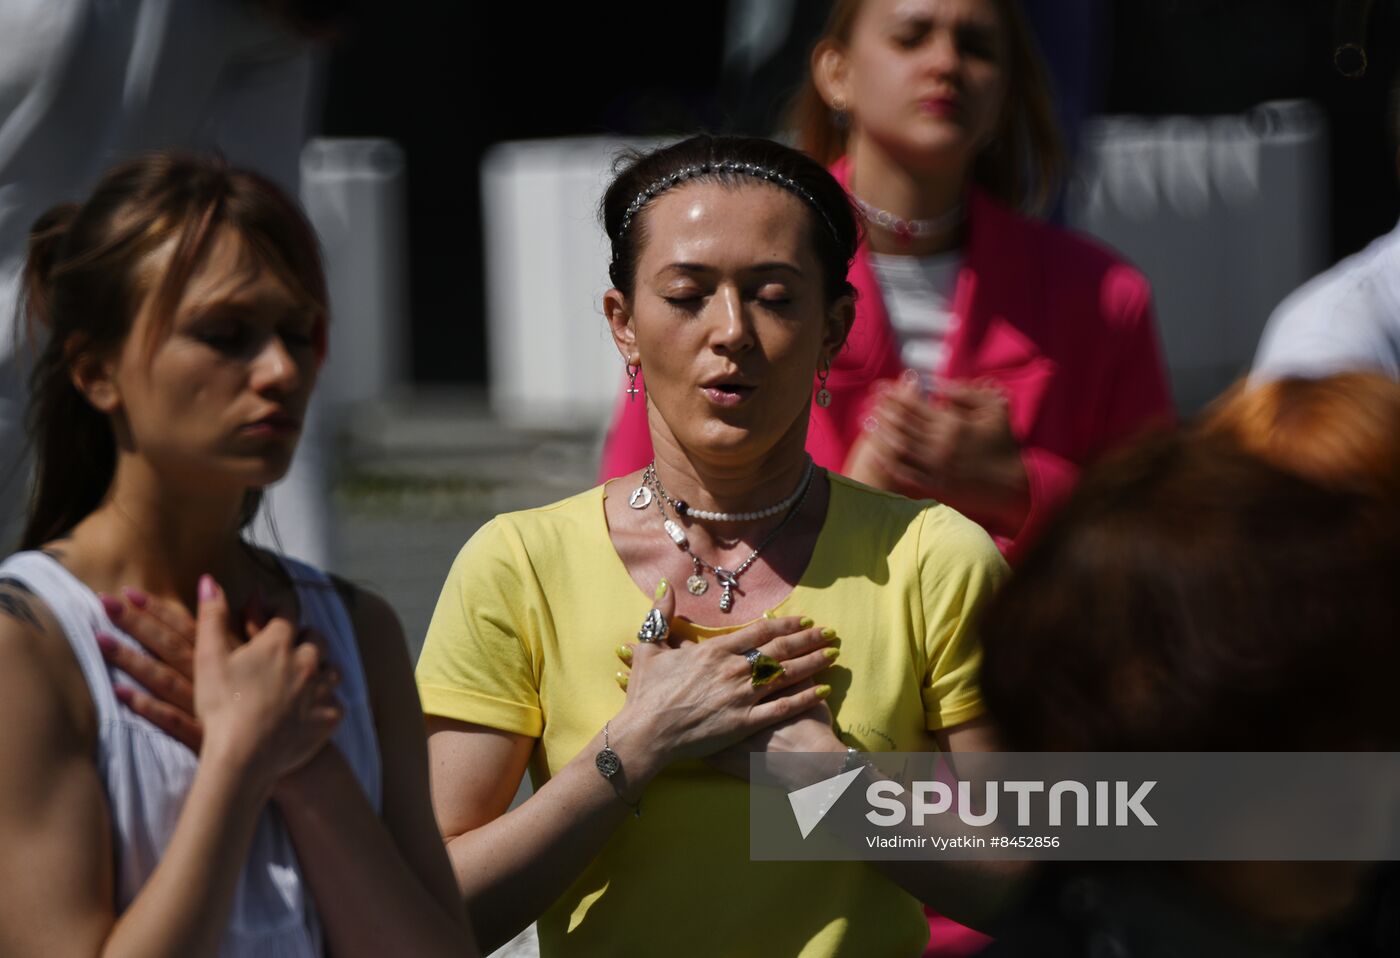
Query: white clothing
918	293
1347	318
146	773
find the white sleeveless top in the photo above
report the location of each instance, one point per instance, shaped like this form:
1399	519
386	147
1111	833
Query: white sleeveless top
146	773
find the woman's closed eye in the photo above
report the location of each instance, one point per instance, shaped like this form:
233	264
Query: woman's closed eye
684	298
774	296
229	337
977	41
769	295
911	33
235	337
298	336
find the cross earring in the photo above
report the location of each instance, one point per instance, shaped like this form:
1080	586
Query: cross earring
632	390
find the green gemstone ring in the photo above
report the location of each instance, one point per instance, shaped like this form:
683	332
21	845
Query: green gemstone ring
763	668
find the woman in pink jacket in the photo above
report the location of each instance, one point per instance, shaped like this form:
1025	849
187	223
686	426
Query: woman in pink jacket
992	355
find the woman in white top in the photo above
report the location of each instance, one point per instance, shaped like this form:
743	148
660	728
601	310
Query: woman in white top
288	815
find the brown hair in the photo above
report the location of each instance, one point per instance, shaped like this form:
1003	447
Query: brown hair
1023	168
1342	431
1191	596
84	284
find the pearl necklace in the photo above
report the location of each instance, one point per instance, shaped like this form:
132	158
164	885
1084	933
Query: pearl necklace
641	498
727	580
908	230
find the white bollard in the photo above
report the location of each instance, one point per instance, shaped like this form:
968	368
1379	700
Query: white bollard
552	361
354	194
1226	215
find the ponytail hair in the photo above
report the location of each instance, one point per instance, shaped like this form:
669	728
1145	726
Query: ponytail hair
84	283
46	238
72	440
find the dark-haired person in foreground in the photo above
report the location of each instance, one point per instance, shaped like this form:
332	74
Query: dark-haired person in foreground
1193	597
275	804
779	607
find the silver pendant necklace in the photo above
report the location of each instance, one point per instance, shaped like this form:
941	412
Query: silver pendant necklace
727	580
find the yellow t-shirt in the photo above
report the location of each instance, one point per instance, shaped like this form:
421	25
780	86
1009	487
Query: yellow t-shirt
523	640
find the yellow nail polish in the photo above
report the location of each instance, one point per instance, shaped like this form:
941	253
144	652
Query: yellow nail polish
622	681
770	614
822	691
625	654
828	633
661	588
831	654
806	622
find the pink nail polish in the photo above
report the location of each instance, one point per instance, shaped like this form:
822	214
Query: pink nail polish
123	694
207	588
111	605
106	643
136	597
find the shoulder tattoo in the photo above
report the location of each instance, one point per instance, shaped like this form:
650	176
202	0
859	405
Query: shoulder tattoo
16	601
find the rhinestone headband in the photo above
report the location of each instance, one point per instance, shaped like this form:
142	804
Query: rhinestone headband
727	166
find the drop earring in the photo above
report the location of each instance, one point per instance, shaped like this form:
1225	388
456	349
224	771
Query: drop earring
823	396
632	390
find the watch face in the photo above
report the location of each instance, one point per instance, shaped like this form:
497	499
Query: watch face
607	762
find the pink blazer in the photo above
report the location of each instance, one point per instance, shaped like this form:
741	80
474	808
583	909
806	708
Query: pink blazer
1061	325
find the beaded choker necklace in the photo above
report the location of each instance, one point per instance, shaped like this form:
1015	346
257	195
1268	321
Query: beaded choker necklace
909	230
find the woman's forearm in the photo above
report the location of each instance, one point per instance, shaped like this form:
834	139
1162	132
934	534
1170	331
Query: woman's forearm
513	868
370	901
183	909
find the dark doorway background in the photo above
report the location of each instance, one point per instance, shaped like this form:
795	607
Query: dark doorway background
448	79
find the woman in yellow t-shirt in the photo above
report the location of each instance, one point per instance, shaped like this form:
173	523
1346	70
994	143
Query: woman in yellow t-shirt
825	615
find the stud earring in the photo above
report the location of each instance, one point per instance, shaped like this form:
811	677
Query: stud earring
823	396
840	116
632	390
